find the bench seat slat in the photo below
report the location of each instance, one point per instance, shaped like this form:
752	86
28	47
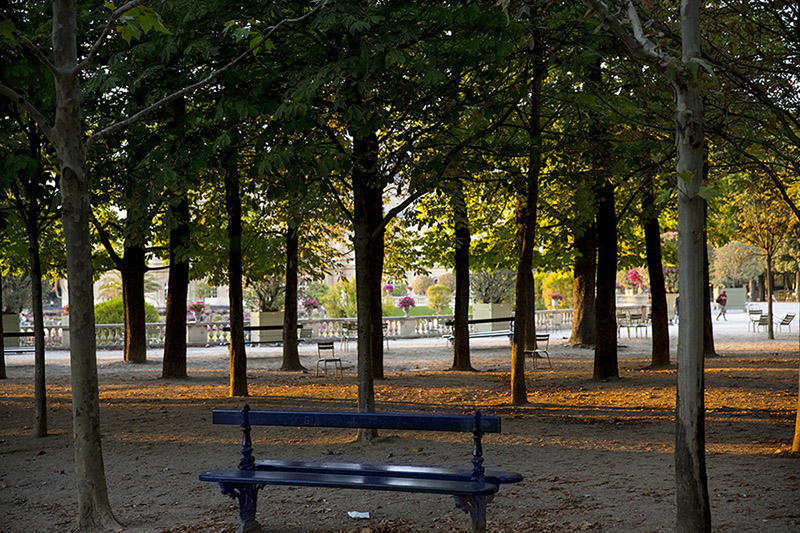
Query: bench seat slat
402	421
347	481
495	477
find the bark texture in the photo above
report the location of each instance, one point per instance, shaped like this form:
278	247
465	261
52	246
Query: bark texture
174	363
693	509
94	509
291	357
368	244
461	357
133	267
233	207
584	324
658	292
605	349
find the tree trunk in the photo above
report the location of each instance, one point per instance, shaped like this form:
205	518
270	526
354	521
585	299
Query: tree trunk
770	289
708	324
291	357
605	349
693	509
174	364
132	269
40	383
461	357
658	292
3	374
367	214
94	509
584	325
233	207
796	439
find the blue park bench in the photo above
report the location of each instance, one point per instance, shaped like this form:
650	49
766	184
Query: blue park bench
471	487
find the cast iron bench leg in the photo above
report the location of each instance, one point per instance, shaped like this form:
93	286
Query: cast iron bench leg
476	507
248	501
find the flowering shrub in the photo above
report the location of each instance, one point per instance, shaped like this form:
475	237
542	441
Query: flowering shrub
388	289
635	277
406	303
197	307
65	309
309	304
556	296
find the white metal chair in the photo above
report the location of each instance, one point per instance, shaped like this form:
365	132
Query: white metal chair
785	321
542	345
754	316
326	355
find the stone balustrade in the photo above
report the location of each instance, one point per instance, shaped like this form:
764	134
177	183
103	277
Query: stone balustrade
111	336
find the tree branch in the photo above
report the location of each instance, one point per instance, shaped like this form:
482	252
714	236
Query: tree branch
110	130
35	51
112	20
637	44
29	108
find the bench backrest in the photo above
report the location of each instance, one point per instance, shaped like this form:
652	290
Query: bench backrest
407	421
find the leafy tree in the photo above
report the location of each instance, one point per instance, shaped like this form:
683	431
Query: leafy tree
66	133
438	297
684	74
763	222
736	263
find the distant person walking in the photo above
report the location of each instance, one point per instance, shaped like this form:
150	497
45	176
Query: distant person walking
677	305
722	301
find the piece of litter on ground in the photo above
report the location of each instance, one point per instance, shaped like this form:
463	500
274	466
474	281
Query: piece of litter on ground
357	514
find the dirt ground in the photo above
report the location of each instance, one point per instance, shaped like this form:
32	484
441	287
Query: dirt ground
595	456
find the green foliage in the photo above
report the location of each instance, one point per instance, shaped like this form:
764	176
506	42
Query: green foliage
735	264
421	284
266	294
493	287
438	297
204	290
113	312
399	289
557	282
16	293
448	280
340	300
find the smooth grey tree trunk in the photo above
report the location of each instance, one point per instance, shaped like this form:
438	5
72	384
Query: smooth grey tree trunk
693	509
94	509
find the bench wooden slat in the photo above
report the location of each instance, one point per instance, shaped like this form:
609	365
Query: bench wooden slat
495	477
403	421
347	481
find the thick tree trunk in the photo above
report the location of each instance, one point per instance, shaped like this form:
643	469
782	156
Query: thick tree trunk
693	509
461	357
291	357
708	324
584	324
132	269
605	349
3	374
174	364
233	207
40	383
796	439
658	292
770	289
368	215
94	509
